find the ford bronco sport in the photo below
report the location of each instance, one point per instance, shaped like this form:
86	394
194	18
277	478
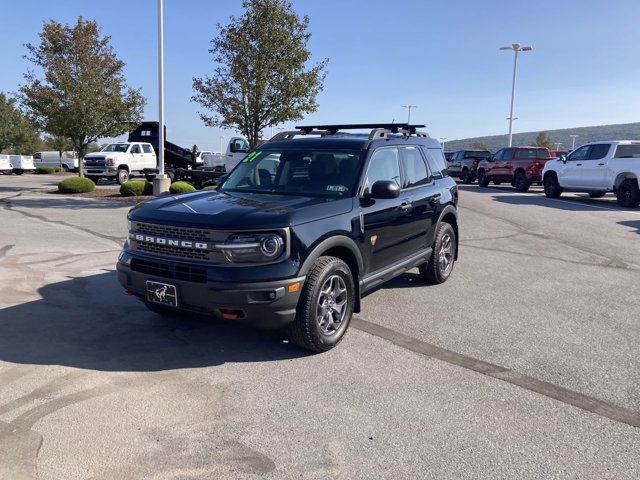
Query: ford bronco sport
300	229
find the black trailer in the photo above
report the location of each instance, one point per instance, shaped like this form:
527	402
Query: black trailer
179	163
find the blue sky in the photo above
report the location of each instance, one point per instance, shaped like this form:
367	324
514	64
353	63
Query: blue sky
440	55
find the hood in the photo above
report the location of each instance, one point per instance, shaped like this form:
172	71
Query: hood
95	155
228	211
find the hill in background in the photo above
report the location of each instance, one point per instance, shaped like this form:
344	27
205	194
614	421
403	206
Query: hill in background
622	131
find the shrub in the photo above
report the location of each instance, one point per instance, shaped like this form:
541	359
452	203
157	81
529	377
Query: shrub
76	185
47	170
134	188
181	187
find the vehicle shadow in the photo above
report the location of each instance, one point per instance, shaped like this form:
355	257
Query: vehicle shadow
633	224
88	323
573	203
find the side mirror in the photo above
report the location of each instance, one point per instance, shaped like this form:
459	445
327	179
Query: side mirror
563	158
385	189
235	148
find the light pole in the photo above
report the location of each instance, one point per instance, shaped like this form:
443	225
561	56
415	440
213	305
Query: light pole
557	144
221	138
517	48
409	107
442	142
573	141
161	182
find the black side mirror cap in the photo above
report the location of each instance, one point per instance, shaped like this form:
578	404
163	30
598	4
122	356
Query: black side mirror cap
385	189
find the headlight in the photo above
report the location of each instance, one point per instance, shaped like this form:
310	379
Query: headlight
111	162
253	247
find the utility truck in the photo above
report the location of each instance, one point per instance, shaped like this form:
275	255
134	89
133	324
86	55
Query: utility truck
237	149
5	165
119	161
68	161
21	164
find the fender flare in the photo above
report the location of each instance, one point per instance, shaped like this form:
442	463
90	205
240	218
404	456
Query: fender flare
331	242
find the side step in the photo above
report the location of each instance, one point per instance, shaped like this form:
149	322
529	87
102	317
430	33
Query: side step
381	276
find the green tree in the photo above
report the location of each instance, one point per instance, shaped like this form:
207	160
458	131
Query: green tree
543	140
479	146
81	93
17	134
261	75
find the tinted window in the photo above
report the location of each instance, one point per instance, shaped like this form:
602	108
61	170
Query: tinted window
532	153
599	151
478	155
135	149
414	168
436	161
628	151
147	149
383	166
580	154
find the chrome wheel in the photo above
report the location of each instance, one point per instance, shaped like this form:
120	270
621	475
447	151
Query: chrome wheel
445	255
332	305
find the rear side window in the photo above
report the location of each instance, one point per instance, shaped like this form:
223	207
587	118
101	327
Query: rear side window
599	151
135	149
532	153
628	151
146	148
383	166
414	168
436	161
478	155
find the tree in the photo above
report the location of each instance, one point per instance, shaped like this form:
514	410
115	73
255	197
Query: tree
17	134
543	140
82	95
479	146
261	77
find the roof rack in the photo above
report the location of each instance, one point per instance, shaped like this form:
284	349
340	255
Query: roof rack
378	130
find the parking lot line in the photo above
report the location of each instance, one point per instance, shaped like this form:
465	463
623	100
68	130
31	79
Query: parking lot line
564	395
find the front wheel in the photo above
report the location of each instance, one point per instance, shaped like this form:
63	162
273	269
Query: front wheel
465	177
628	193
325	307
18	171
552	188
122	176
483	181
439	267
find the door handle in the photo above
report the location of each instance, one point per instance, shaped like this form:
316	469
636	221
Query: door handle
404	206
601	164
578	164
435	198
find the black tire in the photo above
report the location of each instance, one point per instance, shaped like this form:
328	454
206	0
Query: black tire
18	171
149	177
520	183
465	177
171	176
483	181
307	330
497	182
122	176
93	179
597	194
65	168
436	271
552	188
162	310
628	193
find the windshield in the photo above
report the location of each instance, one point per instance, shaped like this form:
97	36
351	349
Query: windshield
297	172
483	154
116	147
532	153
628	151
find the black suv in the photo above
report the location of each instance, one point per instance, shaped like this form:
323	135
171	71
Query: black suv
299	231
464	164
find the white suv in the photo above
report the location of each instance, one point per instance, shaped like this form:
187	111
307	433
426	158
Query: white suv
597	168
120	160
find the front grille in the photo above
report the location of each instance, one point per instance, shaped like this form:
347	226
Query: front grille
173	251
173	232
175	272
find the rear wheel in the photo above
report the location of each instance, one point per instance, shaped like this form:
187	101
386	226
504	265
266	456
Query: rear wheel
18	171
465	177
597	194
520	183
122	176
482	178
325	307
440	265
628	193
497	182
552	188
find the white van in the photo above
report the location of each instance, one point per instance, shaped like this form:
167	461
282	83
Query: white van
5	165
22	163
68	161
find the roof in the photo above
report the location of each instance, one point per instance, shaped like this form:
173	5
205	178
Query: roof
347	142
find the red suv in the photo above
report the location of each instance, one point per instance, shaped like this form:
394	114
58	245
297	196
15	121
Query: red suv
520	166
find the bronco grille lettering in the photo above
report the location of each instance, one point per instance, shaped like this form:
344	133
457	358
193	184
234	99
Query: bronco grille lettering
168	241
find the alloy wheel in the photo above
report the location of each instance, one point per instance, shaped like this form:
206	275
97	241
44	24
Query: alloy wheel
332	305
445	254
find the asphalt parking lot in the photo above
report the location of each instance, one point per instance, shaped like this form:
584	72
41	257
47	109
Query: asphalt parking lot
524	364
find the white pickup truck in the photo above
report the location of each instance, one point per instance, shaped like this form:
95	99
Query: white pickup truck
225	162
597	168
68	161
120	161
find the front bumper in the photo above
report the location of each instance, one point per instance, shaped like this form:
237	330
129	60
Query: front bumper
262	304
100	171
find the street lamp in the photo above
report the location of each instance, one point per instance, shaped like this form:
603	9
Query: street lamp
573	141
442	141
409	107
161	182
221	138
557	144
517	48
